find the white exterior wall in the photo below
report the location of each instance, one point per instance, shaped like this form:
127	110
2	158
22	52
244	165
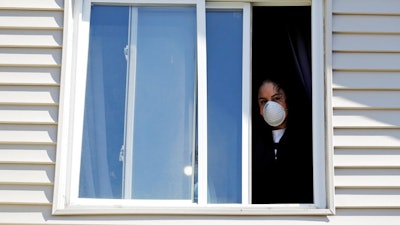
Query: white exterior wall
366	108
363	74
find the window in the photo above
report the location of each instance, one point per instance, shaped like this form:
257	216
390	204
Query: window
156	110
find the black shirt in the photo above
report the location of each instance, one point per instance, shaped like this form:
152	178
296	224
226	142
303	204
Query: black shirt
287	176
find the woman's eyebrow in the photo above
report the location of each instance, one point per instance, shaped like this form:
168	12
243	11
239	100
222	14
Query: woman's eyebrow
262	98
275	94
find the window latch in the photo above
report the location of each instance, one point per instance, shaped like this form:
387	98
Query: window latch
122	153
126	52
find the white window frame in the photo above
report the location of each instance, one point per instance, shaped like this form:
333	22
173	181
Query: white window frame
66	200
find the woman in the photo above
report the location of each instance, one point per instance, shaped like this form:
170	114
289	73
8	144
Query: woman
282	149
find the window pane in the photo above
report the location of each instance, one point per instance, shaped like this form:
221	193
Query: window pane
164	103
224	74
101	170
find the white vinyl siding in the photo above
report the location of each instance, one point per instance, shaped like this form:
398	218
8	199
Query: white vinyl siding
33	19
366	106
366	43
17	38
367	158
30	57
370	79
364	36
28	154
30	62
29	114
45	5
17	174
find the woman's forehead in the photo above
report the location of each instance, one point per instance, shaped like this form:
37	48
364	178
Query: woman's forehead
269	87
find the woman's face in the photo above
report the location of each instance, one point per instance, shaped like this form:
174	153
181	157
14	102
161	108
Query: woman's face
270	92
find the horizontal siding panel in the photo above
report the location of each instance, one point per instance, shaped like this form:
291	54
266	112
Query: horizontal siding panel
366	61
370	213
31	38
366	42
31	19
28	214
366	118
367	178
26	194
366	138
32	4
366	23
366	80
28	154
39	134
360	216
367	158
27	57
367	198
30	75
27	174
28	95
366	99
28	114
348	216
366	6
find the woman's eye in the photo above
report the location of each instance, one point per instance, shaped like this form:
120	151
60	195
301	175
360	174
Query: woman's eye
263	102
278	98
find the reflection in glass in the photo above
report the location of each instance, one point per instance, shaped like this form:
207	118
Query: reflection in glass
142	102
224	83
164	95
103	129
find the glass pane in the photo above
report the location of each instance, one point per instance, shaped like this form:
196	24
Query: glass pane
224	74
103	131
164	103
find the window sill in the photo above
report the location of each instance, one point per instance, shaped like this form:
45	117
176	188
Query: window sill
211	210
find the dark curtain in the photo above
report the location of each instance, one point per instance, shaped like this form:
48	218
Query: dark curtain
282	51
299	38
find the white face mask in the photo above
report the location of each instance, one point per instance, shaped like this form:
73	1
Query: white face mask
274	113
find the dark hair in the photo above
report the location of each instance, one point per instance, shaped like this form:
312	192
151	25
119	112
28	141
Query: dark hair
280	84
276	83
